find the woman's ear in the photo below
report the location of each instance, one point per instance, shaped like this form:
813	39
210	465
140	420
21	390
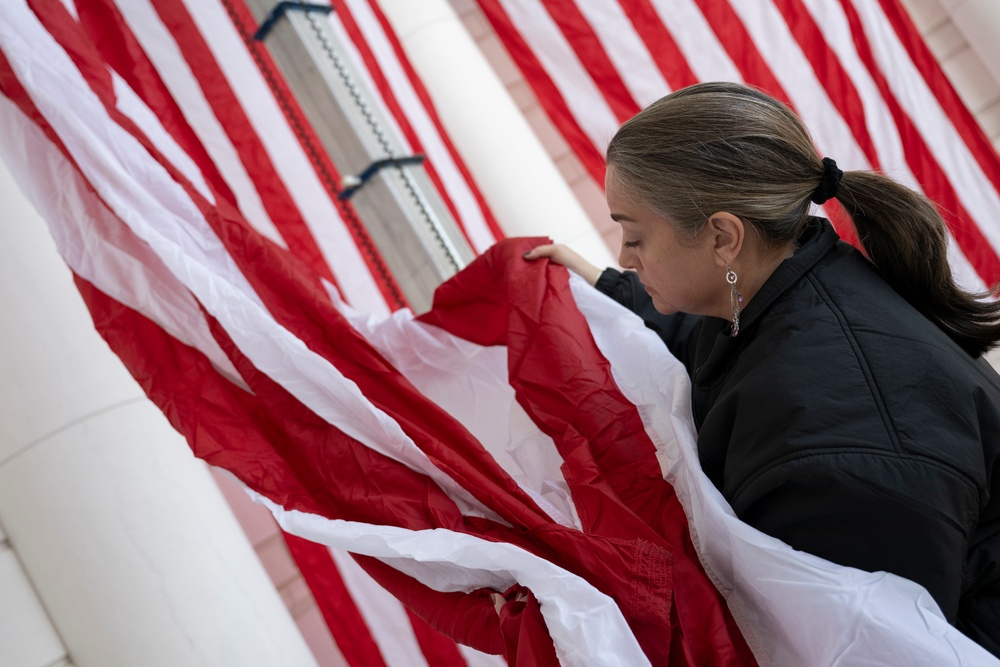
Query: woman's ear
727	235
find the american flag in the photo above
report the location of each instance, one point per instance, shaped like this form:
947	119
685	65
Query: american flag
503	441
857	71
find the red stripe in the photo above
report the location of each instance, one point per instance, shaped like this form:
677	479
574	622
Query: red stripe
592	157
243	19
925	167
438	650
375	70
56	19
660	43
588	399
342	616
527	644
930	69
740	46
469	618
588	49
830	73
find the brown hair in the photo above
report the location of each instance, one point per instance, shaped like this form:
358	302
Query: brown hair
729	147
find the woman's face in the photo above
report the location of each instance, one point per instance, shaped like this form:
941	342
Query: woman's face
680	274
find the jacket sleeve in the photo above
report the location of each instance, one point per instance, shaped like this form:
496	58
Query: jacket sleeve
872	510
979	612
678	330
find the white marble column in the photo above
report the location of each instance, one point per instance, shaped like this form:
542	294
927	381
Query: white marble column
979	23
27	637
508	162
118	530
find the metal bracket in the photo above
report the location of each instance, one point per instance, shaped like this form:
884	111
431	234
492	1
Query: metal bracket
353	183
279	11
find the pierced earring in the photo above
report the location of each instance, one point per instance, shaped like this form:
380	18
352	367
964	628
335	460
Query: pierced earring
735	299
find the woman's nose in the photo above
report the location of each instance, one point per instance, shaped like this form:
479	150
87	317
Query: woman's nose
626	258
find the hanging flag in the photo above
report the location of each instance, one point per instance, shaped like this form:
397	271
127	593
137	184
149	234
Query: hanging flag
498	463
857	71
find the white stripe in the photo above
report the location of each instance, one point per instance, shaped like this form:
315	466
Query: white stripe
71	7
344	42
95	244
974	189
176	74
892	620
580	93
474	658
155	207
779	49
964	275
459	191
625	49
585	625
132	106
702	50
287	156
385	617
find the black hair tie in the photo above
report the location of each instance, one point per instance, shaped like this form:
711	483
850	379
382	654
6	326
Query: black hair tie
827	188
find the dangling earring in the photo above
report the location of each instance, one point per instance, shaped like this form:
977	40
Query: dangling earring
735	299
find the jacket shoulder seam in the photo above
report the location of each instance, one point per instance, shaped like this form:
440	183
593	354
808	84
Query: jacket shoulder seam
859	451
863	365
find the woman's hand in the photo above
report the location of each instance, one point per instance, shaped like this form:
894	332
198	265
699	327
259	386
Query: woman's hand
561	254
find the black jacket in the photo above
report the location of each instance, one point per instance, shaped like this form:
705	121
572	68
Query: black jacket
843	422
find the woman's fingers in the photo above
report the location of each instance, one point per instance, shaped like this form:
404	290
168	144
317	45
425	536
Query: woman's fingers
561	254
548	250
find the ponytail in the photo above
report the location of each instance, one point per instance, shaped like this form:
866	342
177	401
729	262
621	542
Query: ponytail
905	237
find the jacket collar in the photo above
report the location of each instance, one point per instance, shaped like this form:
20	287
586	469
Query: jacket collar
816	240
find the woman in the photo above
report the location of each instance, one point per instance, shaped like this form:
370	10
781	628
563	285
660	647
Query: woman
841	403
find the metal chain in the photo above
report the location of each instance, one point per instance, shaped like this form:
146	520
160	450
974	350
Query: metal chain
387	282
352	88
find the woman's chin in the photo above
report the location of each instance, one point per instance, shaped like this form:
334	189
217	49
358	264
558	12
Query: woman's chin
661	308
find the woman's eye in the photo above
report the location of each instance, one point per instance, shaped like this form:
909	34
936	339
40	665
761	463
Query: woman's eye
630	244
